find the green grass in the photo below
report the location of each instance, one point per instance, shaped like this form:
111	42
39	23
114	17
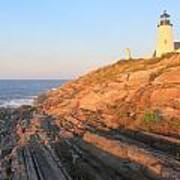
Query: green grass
152	116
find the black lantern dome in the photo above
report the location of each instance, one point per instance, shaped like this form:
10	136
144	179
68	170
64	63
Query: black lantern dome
165	19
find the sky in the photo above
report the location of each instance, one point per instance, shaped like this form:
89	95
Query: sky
62	39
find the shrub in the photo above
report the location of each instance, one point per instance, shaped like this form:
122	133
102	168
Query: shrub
152	116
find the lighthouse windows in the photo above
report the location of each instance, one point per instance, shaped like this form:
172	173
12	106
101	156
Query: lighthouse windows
165	41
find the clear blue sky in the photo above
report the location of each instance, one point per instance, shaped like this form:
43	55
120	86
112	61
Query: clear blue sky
64	38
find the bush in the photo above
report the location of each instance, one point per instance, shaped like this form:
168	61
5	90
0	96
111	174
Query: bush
152	116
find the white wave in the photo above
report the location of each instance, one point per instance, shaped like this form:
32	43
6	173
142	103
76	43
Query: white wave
17	103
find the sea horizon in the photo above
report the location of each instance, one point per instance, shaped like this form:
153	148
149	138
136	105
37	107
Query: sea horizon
18	92
29	79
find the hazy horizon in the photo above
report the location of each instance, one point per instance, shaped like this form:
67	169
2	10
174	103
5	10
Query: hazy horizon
35	79
63	39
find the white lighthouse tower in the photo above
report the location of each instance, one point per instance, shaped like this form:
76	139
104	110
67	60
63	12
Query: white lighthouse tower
165	40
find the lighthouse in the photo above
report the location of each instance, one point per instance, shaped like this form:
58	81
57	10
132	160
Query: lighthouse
165	39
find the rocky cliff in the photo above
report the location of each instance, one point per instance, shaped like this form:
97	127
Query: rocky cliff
136	94
118	122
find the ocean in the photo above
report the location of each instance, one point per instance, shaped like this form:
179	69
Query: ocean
14	93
